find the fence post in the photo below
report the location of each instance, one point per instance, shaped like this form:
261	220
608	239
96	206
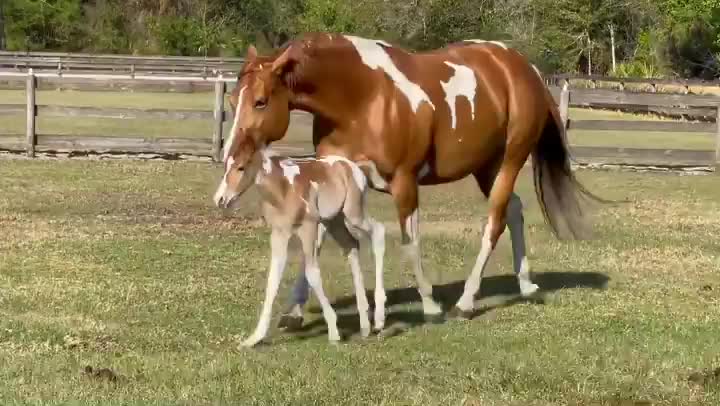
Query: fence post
565	103
717	142
219	114
31	110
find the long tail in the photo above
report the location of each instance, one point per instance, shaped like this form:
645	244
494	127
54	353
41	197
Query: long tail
557	189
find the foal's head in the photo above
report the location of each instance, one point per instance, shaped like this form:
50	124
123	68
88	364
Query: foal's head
261	106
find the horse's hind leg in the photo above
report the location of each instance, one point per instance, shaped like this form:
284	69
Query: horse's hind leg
500	196
516	224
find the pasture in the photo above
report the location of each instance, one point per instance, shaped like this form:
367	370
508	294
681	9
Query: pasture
127	265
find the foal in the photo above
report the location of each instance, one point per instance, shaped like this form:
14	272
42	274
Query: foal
307	197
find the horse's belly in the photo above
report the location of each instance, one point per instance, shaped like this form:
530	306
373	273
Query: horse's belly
457	156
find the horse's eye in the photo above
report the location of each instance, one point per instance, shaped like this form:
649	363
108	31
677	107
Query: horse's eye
261	103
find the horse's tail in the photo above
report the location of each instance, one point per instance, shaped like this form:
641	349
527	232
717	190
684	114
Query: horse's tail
557	189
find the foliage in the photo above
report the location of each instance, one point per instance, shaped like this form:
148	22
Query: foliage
676	37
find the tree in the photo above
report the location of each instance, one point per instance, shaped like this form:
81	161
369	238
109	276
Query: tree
2	29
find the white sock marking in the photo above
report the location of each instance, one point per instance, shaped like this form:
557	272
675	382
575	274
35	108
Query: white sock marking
374	56
472	284
462	83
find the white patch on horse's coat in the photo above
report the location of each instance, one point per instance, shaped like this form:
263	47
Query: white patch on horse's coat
266	162
315	185
462	83
357	173
235	123
290	170
374	56
482	41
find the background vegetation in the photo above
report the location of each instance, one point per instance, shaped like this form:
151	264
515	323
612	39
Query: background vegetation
651	37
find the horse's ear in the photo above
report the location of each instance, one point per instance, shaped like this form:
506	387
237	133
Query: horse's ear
251	53
283	62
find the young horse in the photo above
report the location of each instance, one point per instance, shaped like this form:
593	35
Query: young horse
305	198
472	108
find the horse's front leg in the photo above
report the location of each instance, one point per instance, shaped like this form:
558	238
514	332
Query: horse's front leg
404	189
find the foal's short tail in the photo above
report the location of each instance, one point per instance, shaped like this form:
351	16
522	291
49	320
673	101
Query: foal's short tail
557	189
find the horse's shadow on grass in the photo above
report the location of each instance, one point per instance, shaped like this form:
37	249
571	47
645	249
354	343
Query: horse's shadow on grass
497	291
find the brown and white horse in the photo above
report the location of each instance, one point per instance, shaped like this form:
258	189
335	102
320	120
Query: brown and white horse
307	198
472	108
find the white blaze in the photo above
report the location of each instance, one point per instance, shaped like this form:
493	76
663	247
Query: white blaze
235	123
462	83
222	188
374	56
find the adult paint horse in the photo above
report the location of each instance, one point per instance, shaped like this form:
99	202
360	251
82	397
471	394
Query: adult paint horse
472	108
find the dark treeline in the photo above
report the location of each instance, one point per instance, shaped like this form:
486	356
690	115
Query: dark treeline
648	37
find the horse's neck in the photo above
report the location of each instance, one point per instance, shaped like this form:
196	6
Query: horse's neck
321	86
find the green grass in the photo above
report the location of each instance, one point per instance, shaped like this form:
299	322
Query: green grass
299	133
127	265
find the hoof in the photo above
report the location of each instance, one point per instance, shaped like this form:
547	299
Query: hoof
434	318
457	313
252	343
290	323
365	332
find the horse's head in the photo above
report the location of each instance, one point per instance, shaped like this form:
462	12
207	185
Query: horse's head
261	105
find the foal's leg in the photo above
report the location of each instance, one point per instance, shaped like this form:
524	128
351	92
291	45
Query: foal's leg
308	236
376	231
516	225
500	194
292	318
279	244
404	189
350	246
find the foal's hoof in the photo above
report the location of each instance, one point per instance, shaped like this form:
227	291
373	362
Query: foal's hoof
459	314
290	323
434	318
365	332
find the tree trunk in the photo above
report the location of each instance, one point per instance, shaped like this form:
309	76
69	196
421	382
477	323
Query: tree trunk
589	48
2	29
612	47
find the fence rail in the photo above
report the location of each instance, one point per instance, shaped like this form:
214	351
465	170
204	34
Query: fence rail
211	146
94	63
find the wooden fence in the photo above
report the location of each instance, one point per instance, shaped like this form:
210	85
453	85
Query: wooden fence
60	62
31	142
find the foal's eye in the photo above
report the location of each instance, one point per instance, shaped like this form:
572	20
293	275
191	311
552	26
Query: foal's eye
261	103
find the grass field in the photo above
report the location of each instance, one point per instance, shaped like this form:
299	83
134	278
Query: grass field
126	265
300	130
